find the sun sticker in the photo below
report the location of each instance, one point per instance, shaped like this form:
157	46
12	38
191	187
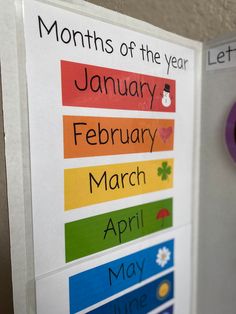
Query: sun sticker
163	290
163	256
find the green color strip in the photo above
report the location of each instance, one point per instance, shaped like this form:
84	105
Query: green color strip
87	236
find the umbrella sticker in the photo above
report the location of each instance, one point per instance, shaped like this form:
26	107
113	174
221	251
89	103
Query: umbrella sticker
162	214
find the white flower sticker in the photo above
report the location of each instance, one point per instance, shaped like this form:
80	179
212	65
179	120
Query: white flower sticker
163	256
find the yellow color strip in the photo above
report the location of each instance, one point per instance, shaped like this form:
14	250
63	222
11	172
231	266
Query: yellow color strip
91	185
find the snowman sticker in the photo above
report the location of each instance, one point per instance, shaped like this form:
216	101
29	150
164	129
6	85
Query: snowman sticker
166	101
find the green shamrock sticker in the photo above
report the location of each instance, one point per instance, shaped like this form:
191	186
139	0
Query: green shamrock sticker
164	171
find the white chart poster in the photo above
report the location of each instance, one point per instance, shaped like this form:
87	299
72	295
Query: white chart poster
111	116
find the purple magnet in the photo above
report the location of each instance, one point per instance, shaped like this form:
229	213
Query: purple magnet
230	132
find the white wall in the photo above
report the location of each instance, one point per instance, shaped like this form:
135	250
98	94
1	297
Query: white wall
6	305
198	19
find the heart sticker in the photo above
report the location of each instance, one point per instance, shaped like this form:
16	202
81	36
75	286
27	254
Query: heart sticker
165	133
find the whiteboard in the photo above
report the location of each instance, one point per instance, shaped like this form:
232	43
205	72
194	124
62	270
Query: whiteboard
170	60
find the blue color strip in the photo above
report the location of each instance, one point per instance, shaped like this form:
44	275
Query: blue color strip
142	300
101	282
170	310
